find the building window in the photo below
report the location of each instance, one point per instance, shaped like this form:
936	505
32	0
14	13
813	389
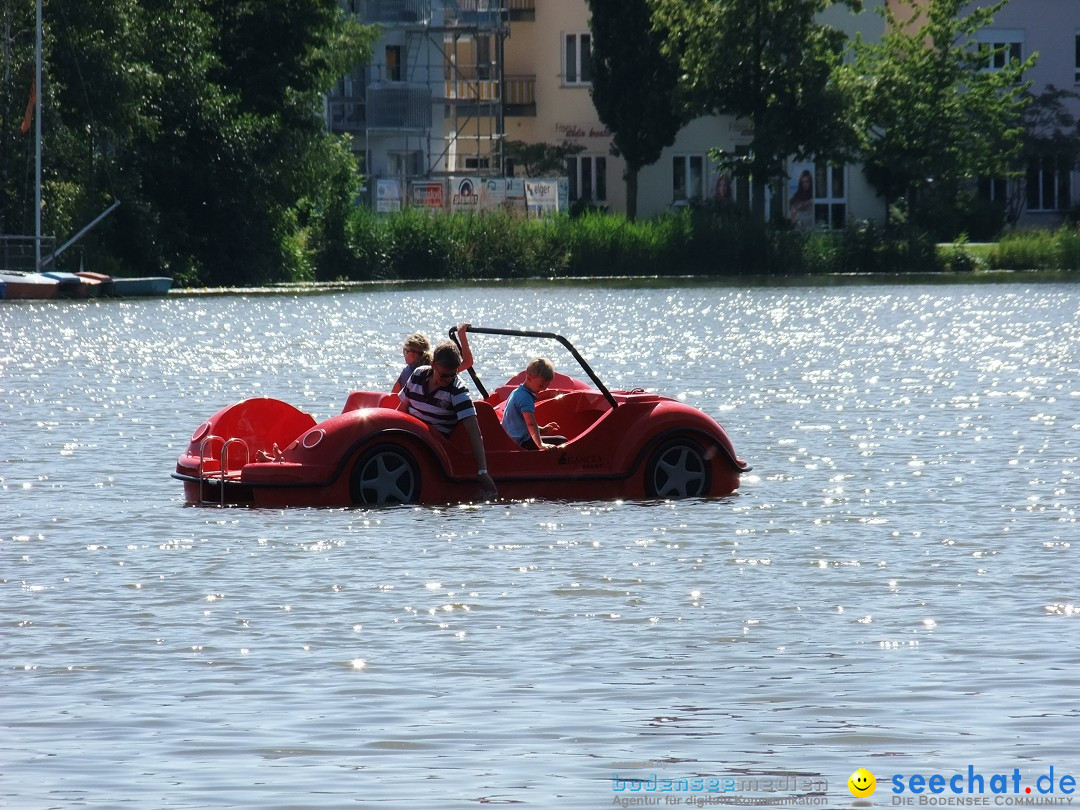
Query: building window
484	62
406	164
1000	48
577	55
393	63
994	189
1048	183
830	196
588	178
1077	79
688	177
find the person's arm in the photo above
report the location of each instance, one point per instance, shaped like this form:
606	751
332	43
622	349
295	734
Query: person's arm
534	431
466	352
402	378
472	428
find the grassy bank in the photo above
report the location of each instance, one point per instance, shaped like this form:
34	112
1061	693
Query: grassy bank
1036	250
701	242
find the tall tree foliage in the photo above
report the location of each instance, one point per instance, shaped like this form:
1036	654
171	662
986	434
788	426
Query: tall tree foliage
92	104
204	117
240	177
634	85
541	159
932	116
770	63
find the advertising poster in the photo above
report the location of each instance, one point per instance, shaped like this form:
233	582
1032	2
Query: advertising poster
515	196
464	195
387	195
492	193
541	197
801	195
428	194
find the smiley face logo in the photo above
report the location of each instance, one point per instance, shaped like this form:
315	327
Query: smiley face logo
862	783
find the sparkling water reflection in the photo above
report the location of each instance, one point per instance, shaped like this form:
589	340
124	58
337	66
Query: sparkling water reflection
894	588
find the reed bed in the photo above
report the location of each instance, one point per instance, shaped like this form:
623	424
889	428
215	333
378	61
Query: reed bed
705	241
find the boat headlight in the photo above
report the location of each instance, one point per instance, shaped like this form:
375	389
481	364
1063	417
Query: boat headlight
200	431
312	438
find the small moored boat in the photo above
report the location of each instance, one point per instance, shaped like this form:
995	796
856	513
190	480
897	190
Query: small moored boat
144	286
24	286
99	284
71	285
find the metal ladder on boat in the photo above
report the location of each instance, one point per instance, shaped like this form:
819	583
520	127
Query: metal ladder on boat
205	456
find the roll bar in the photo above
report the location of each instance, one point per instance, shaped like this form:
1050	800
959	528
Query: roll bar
485	330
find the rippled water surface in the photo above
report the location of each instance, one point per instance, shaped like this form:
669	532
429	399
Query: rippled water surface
895	587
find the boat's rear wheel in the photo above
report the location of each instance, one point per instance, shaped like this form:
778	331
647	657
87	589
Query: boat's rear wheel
385	475
677	469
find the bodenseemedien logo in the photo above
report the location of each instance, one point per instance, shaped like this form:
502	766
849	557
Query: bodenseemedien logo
862	783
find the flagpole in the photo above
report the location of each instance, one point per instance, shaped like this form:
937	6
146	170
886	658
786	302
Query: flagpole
37	142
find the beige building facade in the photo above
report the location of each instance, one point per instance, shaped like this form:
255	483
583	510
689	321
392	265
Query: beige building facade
452	80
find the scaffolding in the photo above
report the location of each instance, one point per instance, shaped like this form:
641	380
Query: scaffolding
434	101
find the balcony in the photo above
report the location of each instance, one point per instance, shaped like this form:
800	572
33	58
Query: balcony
519	96
489	12
521	10
395	12
486	13
471	95
470	90
398	106
347	113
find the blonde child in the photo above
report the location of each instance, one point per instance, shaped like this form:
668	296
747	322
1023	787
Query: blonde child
519	413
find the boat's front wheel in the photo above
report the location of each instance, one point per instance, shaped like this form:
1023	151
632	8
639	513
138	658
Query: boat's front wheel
678	469
385	475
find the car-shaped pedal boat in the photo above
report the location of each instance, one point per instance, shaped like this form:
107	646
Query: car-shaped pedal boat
612	444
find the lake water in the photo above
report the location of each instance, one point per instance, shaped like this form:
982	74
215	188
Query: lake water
896	587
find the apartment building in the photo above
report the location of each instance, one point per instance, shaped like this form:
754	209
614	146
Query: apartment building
452	80
1051	29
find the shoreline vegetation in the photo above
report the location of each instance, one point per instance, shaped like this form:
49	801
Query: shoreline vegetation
704	244
666	281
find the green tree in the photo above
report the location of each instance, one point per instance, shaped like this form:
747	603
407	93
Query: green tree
91	105
770	63
238	178
541	159
932	117
203	116
627	53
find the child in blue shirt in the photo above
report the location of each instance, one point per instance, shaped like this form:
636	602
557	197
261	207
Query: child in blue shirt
519	413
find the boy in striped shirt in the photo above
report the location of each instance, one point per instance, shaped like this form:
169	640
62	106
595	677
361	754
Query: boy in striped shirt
435	394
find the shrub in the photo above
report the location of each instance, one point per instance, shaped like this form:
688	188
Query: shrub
699	240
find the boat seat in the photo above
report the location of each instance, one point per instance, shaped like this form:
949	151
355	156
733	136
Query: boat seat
370	399
574	411
491	429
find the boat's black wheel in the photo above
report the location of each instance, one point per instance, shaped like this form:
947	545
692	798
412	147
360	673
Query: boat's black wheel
385	475
677	469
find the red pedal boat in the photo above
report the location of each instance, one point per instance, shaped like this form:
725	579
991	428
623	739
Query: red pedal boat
617	444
